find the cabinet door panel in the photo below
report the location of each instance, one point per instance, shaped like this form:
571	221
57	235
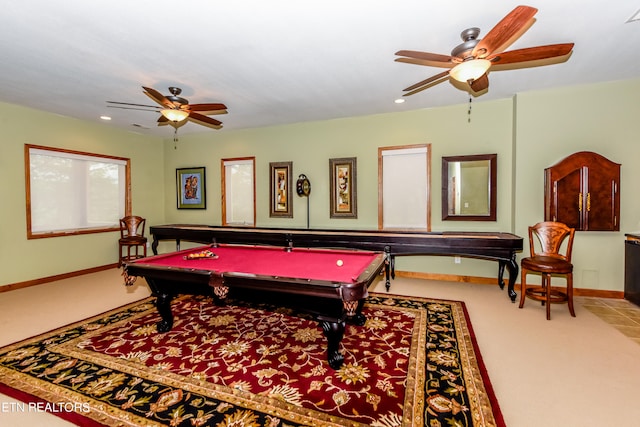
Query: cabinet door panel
600	201
567	195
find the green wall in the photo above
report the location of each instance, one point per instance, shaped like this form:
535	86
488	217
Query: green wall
529	133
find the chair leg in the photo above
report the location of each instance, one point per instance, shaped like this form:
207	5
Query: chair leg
523	286
570	294
546	279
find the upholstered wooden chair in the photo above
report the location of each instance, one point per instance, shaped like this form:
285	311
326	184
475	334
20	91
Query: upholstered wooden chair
132	237
549	257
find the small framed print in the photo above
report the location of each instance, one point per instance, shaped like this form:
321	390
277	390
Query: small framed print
343	189
281	202
190	186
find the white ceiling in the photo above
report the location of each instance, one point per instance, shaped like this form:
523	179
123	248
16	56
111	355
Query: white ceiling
283	61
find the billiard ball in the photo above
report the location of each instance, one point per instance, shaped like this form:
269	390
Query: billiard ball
339	263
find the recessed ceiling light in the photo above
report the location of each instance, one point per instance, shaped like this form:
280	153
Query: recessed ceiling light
399	100
635	17
105	117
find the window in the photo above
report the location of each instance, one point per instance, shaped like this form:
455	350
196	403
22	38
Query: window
71	192
238	191
404	178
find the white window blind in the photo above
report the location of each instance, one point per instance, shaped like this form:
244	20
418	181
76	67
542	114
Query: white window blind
239	192
405	191
70	191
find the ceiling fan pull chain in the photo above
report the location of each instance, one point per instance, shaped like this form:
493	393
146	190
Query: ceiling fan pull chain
469	112
175	138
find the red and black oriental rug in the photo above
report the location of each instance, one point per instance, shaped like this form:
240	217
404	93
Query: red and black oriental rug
415	362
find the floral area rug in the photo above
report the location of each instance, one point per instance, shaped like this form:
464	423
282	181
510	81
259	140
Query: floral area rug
414	362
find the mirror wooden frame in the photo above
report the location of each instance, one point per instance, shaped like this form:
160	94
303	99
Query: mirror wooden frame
491	187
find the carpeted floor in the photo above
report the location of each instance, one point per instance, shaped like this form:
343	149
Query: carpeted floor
415	362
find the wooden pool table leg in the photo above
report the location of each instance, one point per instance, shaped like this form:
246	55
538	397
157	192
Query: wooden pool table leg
501	265
389	267
334	331
353	310
163	304
220	290
512	267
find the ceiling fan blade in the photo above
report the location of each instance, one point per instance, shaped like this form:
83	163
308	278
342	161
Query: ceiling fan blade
150	108
480	84
532	54
504	31
424	55
158	97
204	120
128	103
208	108
427	81
426	63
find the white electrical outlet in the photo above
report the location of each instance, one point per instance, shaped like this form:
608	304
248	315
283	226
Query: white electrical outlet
457	259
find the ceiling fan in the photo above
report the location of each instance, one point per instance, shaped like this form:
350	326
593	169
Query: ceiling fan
471	61
175	110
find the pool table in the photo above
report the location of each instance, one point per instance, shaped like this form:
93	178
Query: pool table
329	284
492	246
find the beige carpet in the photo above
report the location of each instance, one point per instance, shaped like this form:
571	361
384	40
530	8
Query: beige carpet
564	372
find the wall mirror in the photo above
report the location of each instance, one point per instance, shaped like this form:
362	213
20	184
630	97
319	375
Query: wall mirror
469	187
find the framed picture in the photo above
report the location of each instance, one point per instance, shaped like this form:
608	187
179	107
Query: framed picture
343	188
281	202
190	186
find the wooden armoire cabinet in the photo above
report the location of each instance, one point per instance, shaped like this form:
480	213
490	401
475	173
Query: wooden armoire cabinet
583	191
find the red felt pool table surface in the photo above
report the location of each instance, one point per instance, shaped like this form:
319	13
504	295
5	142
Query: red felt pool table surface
299	263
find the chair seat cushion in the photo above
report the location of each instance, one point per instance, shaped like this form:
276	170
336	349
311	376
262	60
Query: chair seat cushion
547	264
133	240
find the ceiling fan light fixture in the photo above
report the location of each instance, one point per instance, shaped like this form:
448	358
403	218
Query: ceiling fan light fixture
175	115
470	70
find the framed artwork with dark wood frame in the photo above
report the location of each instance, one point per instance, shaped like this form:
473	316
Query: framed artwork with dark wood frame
469	188
281	201
343	189
190	188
